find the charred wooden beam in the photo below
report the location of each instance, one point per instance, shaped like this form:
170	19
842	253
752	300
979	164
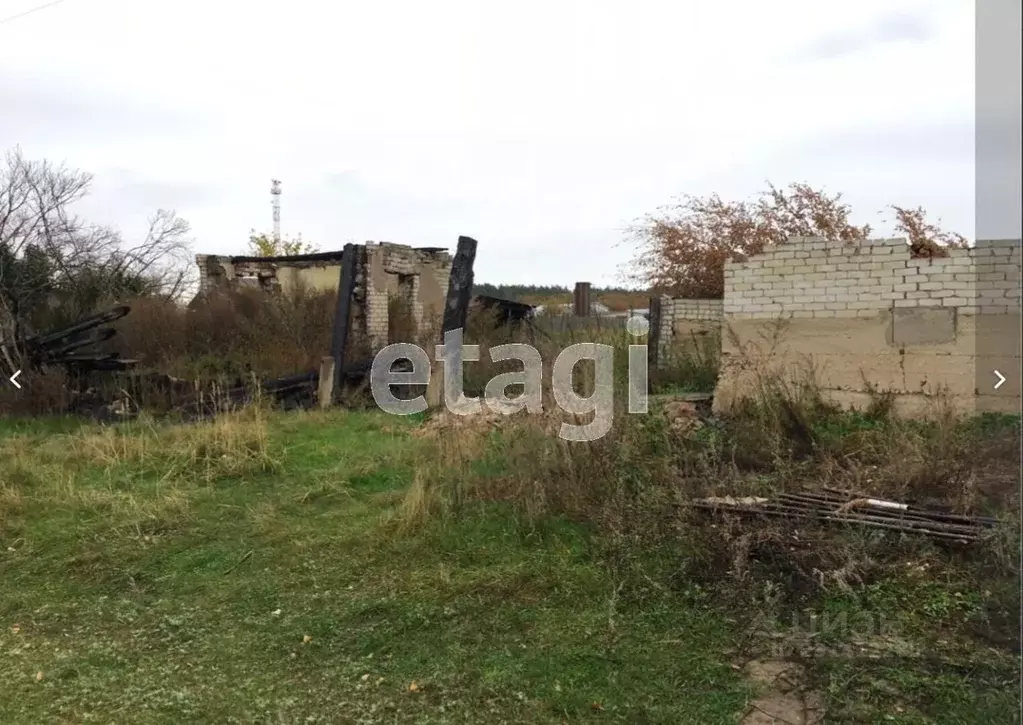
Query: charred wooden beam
653	340
456	309
343	315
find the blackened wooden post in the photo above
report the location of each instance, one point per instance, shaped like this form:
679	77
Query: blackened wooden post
581	299
653	340
343	315
456	309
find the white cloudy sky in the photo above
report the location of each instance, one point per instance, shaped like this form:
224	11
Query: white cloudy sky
540	128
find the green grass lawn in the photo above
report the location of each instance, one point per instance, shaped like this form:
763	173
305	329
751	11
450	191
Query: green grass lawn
256	571
278	589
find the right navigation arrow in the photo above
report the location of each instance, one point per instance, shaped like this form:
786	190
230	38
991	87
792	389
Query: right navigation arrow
1001	379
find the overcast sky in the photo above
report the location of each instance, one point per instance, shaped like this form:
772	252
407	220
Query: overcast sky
541	129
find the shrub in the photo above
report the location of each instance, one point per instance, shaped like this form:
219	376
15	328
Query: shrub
682	248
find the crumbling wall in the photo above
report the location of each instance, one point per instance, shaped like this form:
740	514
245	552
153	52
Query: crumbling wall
866	315
685	321
319	277
273	274
419	275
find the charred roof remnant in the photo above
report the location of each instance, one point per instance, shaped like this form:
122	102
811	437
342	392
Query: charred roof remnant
384	270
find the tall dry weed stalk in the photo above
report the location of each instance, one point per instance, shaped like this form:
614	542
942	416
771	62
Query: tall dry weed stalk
231	445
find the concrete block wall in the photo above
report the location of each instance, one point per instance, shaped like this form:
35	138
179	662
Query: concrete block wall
867	314
684	319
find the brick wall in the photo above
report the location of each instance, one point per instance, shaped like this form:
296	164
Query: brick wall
812	278
419	275
682	320
866	314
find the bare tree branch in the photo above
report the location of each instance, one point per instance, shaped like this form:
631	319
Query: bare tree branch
50	259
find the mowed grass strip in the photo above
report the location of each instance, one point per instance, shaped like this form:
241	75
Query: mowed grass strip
250	570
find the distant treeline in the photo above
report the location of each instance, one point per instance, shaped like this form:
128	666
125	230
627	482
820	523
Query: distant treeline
523	291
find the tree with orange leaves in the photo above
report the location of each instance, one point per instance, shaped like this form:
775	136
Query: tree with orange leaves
682	249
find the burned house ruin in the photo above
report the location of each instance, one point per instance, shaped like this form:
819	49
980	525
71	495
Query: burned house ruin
419	275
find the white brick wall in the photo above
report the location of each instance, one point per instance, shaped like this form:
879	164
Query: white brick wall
674	310
398	259
815	278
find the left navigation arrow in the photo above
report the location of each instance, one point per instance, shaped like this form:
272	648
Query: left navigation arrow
14	379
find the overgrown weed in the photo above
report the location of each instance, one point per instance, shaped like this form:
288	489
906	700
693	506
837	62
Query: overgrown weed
634	487
230	445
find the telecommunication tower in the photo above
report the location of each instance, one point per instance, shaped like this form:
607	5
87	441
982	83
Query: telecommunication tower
275	193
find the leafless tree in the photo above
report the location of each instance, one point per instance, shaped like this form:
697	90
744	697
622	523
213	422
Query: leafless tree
52	259
161	262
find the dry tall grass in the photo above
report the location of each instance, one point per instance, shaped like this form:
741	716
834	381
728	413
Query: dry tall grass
635	484
228	336
220	341
235	444
171	462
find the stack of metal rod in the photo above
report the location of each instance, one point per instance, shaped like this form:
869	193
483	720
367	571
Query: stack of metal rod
833	505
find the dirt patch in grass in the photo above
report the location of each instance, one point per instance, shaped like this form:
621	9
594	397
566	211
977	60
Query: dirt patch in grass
782	695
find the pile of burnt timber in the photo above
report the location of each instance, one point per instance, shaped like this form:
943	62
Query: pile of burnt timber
68	347
74	348
292	392
835	506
